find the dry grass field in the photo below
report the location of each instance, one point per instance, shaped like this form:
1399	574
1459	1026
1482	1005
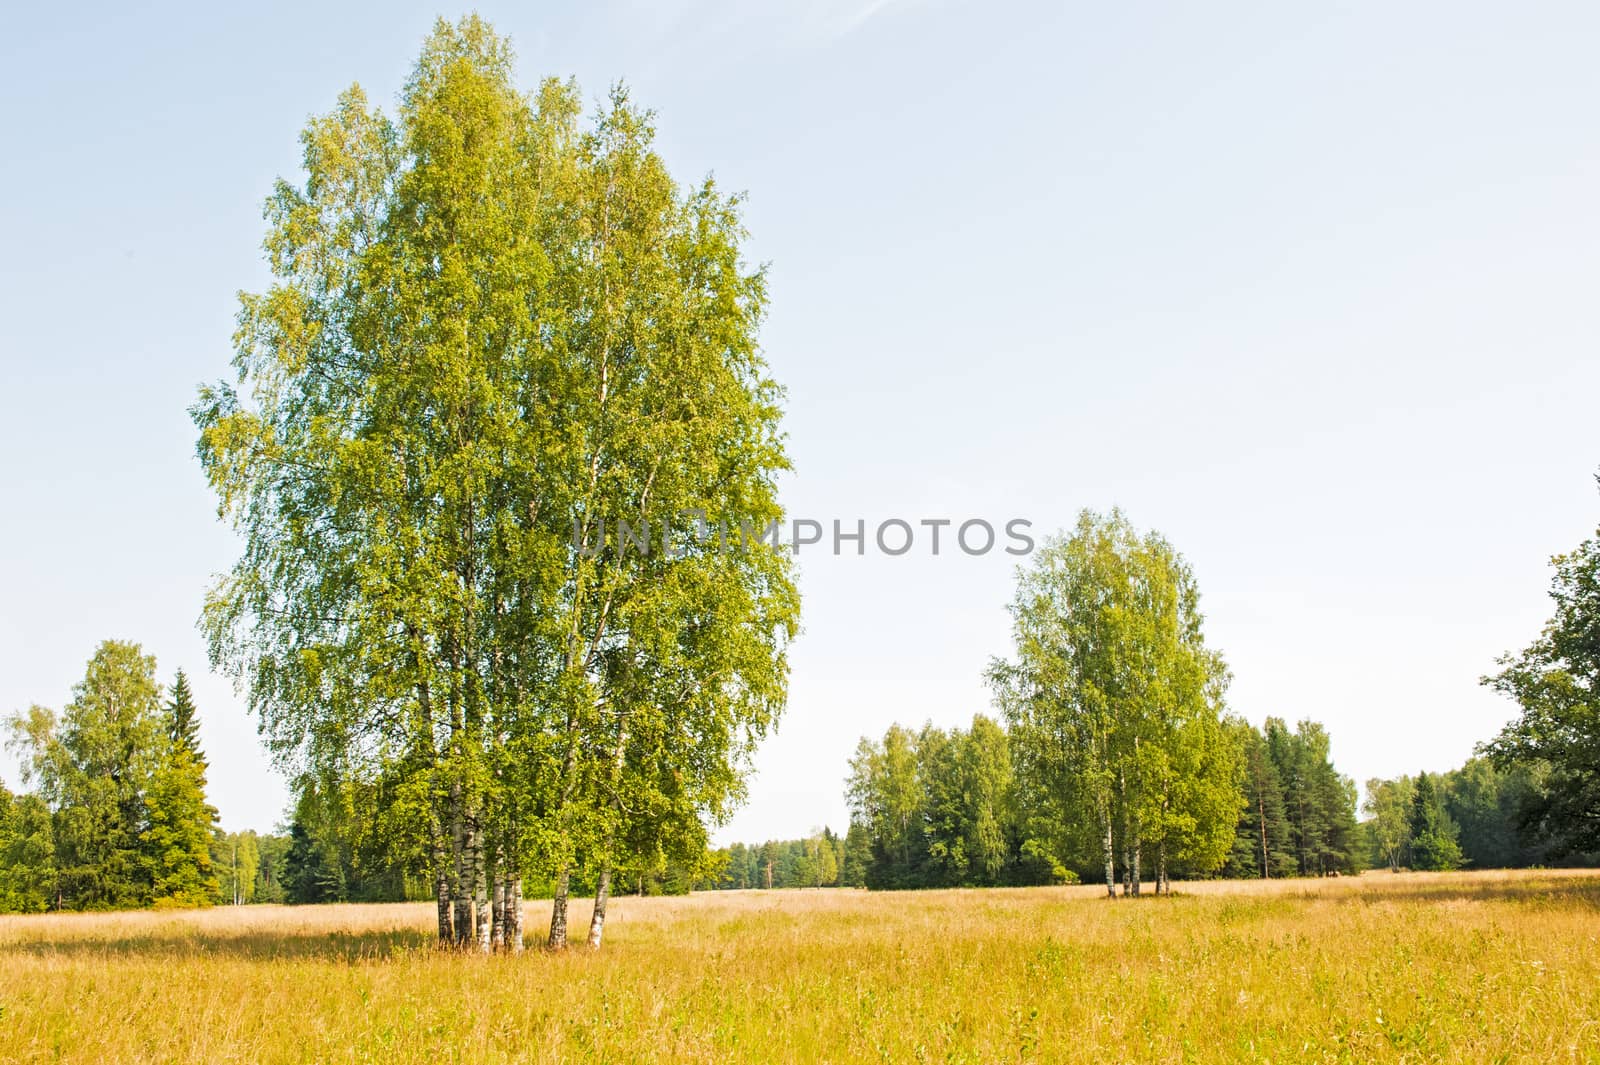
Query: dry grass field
1476	968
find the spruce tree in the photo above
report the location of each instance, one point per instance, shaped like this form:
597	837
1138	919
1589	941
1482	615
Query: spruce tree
180	822
1262	846
1433	834
183	725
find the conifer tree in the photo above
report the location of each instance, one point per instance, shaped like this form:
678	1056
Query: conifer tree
1261	844
183	724
180	822
1433	835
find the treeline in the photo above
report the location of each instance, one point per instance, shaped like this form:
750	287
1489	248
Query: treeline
1483	815
822	859
946	808
1297	813
119	818
940	808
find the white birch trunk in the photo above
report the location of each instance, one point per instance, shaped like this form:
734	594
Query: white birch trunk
497	934
558	912
602	895
480	890
515	932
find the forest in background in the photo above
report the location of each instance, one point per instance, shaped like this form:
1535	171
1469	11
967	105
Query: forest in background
118	816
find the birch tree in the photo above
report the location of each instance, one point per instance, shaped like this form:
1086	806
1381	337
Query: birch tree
1114	701
493	333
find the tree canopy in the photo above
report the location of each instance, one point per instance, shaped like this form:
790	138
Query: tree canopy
495	330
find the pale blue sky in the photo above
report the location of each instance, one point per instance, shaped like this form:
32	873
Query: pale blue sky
1309	288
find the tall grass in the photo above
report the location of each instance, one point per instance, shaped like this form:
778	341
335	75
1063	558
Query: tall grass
1458	967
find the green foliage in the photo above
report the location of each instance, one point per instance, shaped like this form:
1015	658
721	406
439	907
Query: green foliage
938	809
179	821
813	862
312	870
1115	703
1556	683
27	854
93	767
1389	804
494	330
1320	803
183	722
1262	846
177	836
856	856
1433	834
120	818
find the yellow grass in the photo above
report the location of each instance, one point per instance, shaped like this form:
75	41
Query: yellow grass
1462	967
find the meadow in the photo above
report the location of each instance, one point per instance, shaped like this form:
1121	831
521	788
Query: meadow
1471	967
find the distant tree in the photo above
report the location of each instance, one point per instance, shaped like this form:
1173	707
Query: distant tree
1115	701
766	866
886	795
183	723
857	855
1320	804
180	823
274	850
27	856
967	783
1433	835
821	859
1556	682
93	766
1389	804
311	869
236	857
1262	847
1489	805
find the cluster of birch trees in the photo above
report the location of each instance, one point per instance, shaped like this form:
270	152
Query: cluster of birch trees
1114	704
1117	754
494	327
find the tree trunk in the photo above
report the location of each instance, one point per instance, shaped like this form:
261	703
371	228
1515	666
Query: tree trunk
1261	812
441	887
460	871
1133	866
497	934
1127	838
1161	869
515	917
602	894
1110	850
558	913
480	890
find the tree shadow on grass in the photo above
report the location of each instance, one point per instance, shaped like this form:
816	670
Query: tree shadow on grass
256	945
1580	891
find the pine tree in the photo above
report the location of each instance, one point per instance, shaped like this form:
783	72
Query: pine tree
1433	834
181	823
183	725
857	855
1262	846
311	869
